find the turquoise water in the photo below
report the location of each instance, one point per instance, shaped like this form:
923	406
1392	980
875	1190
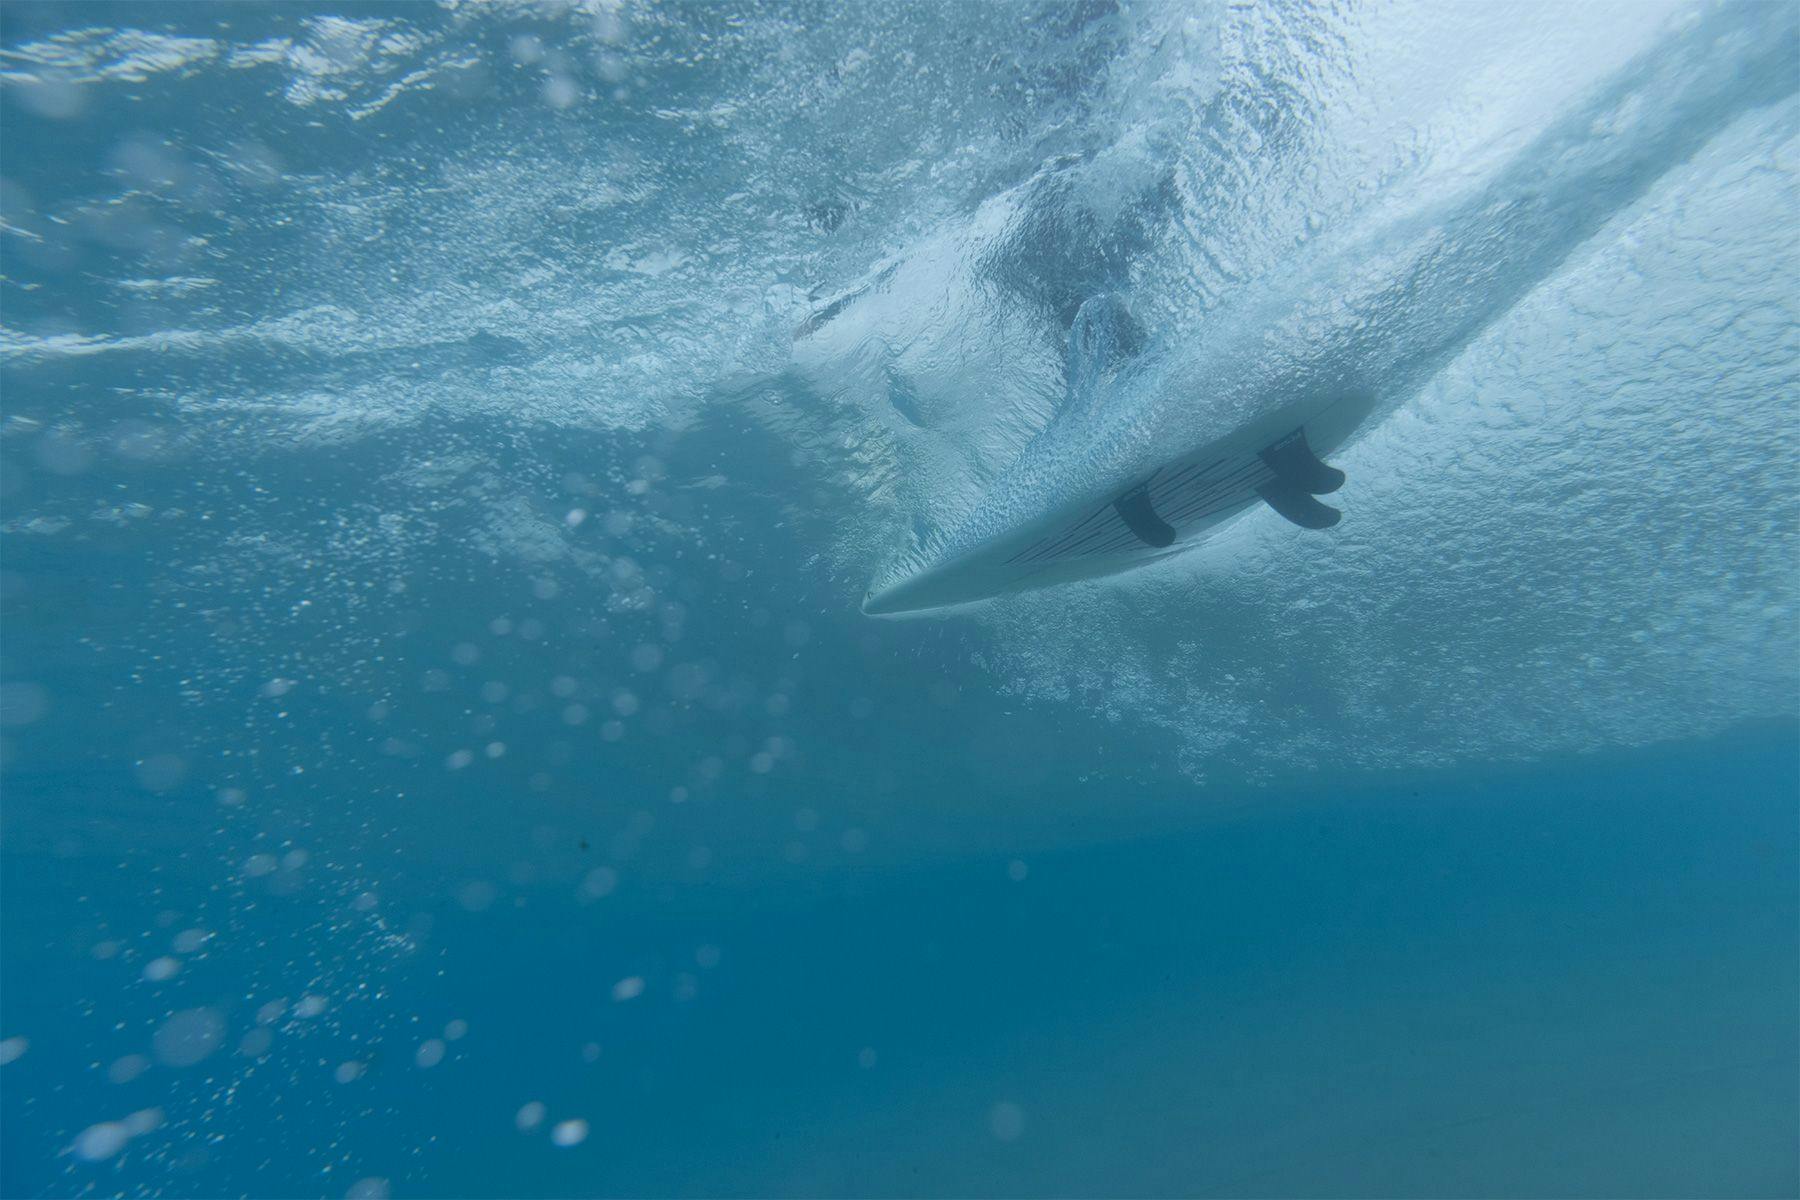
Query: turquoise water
443	450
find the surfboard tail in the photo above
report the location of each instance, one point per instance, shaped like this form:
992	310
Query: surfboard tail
1293	476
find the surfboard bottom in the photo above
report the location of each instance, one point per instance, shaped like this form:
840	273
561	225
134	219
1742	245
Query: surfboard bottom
1170	510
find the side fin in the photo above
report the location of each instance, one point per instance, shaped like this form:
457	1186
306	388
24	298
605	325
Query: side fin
1296	504
1134	509
1296	465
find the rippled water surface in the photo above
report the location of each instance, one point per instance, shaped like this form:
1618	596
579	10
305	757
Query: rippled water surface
443	450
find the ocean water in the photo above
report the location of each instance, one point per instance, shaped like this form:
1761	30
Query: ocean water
444	449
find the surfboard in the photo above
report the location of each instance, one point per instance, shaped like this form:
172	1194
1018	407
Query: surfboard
1175	507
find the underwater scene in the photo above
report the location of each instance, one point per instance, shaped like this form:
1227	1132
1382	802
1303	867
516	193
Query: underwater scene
921	598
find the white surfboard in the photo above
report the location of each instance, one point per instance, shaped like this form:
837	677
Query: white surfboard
1172	509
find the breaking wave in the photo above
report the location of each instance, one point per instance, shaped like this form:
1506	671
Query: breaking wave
455	232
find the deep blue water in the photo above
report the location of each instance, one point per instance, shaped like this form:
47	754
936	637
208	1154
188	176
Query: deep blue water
1577	978
443	450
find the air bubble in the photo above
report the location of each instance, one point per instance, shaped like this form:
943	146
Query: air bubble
1006	1121
101	1141
190	940
128	1068
188	1037
599	882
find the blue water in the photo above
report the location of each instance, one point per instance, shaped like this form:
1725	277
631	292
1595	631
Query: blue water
443	449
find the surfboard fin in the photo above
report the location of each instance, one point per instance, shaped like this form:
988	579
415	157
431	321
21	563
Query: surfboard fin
1297	505
1298	467
1134	509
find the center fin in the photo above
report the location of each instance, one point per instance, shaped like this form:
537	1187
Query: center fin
1298	506
1295	464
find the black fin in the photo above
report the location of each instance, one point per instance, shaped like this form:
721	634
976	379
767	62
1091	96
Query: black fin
1298	506
1134	509
1296	465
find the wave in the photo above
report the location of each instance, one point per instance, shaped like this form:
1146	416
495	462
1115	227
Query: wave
1549	256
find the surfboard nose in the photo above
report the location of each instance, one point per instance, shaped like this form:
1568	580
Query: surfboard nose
915	593
882	602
